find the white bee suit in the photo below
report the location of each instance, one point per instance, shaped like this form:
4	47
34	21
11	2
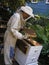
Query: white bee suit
11	35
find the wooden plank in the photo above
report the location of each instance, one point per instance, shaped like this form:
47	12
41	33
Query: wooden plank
33	42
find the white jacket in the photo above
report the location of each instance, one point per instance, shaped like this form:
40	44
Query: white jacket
13	27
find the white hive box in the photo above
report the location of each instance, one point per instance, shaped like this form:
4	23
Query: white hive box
27	53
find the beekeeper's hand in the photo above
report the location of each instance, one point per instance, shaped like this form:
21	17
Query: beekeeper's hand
26	36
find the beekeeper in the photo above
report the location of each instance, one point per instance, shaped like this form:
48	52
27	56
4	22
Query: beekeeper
15	23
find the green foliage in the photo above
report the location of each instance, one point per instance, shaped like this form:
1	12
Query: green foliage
41	27
13	4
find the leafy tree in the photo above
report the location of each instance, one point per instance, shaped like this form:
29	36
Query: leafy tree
13	4
8	7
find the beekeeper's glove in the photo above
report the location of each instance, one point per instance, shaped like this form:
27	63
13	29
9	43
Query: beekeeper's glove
26	36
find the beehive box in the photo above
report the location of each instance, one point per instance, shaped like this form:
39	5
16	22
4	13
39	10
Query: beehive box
31	54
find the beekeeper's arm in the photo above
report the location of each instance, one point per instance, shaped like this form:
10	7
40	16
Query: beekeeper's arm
15	27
